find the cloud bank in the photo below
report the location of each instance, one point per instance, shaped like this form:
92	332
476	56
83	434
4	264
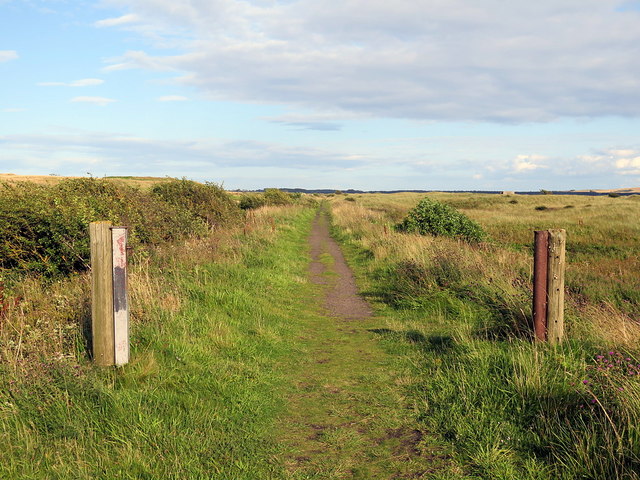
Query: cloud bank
454	60
279	164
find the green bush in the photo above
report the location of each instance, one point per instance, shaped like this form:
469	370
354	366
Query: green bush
44	229
207	201
431	217
274	196
251	200
271	196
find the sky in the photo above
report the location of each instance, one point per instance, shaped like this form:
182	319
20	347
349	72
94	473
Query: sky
363	94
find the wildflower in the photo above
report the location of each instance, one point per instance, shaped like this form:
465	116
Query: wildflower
586	382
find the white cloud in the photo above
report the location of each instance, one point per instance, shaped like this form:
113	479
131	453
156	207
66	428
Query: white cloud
116	22
85	82
172	98
527	163
102	101
440	60
6	55
14	110
138	59
626	161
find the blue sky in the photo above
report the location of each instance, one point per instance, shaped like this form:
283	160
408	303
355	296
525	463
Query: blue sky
366	94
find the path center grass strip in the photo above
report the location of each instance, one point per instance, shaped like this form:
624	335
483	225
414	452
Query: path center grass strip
198	400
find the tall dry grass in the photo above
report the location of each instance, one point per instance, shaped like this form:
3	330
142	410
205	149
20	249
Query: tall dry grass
603	250
512	407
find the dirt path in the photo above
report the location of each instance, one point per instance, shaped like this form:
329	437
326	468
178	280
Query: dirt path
346	414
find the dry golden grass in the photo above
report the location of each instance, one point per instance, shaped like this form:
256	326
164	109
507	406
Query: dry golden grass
142	183
603	249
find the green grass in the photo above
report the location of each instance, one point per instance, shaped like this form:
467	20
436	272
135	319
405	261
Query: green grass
456	321
237	373
198	400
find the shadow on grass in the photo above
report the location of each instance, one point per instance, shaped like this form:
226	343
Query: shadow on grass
432	343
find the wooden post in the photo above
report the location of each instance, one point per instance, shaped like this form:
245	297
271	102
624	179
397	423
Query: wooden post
555	285
102	293
109	306
540	255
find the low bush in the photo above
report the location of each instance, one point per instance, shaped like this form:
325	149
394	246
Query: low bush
208	201
271	196
431	217
274	196
251	200
44	229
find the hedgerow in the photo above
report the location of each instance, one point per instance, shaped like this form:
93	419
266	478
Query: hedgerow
208	201
44	229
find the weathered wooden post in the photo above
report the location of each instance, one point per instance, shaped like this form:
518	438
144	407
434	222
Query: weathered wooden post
109	307
548	285
555	285
540	254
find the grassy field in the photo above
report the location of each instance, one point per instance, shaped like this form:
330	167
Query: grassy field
233	358
511	408
144	183
206	381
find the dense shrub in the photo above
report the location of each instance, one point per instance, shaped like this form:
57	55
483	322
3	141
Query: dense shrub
251	200
274	196
208	201
44	229
431	217
271	196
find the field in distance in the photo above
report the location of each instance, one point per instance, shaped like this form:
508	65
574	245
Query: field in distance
141	182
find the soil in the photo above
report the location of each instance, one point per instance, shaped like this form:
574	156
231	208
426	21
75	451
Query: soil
342	298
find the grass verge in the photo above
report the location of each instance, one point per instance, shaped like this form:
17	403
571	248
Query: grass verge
199	399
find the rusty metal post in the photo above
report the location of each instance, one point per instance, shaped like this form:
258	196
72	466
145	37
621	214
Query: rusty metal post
540	296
